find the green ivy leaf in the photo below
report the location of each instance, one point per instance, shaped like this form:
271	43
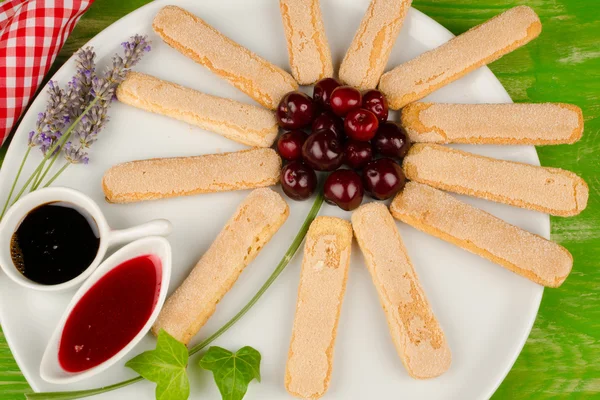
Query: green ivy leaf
165	366
232	372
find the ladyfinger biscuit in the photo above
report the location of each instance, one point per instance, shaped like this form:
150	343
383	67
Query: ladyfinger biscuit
253	75
160	178
441	215
320	295
255	221
308	50
549	190
370	49
415	331
237	121
477	47
533	124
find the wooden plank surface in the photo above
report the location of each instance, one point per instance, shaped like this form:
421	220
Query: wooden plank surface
561	359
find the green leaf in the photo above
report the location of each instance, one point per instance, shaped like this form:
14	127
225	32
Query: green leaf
165	366
232	372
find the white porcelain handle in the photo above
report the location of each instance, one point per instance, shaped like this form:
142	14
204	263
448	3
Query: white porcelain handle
157	227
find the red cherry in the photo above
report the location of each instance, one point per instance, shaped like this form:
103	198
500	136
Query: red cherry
298	181
391	140
345	99
296	110
322	151
361	124
357	154
290	144
375	101
322	92
327	121
383	178
343	188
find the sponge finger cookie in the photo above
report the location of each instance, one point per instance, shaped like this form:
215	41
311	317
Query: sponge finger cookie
549	190
237	121
479	46
532	124
252	225
253	75
308	50
161	178
441	215
320	295
416	333
370	49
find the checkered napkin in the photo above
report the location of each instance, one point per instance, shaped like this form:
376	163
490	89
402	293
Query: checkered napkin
31	34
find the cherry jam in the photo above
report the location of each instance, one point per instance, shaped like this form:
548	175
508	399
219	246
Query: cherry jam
54	244
110	314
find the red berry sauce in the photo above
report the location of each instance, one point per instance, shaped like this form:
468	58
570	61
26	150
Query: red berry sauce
110	314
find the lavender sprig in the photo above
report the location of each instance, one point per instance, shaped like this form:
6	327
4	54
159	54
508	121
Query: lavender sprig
80	109
103	88
65	106
114	74
35	138
87	130
74	154
52	121
57	111
80	87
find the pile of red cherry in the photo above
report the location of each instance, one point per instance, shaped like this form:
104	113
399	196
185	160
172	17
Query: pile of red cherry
346	127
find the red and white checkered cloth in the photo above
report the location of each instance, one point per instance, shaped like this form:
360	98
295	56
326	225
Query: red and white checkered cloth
32	32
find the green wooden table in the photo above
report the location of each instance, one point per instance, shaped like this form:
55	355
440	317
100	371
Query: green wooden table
562	356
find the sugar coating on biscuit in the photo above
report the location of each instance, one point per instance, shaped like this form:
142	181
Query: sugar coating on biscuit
320	294
308	49
415	331
161	178
253	75
244	123
252	225
370	49
550	190
441	215
480	45
533	124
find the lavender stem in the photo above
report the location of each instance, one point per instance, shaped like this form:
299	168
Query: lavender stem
12	188
36	179
60	171
39	181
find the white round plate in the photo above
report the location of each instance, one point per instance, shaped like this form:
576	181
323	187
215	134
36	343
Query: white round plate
485	311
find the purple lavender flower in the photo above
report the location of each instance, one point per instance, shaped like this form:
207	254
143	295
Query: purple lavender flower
46	143
105	86
80	87
65	106
34	139
134	50
87	130
34	136
74	154
52	121
57	108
